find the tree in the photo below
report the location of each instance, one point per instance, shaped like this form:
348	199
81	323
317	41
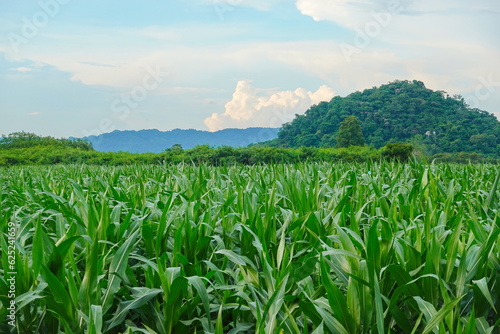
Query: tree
398	151
176	149
350	133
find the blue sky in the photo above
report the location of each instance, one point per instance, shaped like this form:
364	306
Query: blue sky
74	67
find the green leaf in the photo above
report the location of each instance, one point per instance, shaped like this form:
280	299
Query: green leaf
37	246
96	319
426	308
141	297
483	286
197	283
233	257
117	269
30	296
219	328
437	317
59	292
337	300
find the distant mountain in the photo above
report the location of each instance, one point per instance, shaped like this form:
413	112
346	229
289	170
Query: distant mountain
404	111
156	141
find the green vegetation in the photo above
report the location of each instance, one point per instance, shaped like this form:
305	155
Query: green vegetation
271	238
400	111
23	140
350	133
30	149
398	151
80	152
306	248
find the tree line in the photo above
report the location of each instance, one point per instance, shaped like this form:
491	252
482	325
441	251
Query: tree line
30	149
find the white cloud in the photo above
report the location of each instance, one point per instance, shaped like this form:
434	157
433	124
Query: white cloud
356	13
347	13
22	69
249	108
429	6
36	113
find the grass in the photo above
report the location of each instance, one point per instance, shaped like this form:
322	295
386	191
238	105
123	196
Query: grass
308	248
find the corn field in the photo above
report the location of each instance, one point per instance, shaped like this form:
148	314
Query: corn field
307	248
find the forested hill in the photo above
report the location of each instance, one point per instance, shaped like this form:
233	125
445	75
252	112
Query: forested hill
401	111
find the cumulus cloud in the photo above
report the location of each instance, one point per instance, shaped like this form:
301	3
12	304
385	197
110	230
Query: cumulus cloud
347	13
253	107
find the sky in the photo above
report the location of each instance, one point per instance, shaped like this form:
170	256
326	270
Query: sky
78	68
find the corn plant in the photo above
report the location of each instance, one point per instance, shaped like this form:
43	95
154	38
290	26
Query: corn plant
306	248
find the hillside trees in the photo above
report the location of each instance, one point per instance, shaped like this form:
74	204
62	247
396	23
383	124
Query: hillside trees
401	111
350	133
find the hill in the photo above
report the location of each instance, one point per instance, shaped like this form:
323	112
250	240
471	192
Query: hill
155	141
401	111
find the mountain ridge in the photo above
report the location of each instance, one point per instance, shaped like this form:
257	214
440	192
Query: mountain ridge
156	141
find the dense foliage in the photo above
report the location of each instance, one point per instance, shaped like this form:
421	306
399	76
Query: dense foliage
401	111
226	155
350	133
307	248
30	149
23	140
